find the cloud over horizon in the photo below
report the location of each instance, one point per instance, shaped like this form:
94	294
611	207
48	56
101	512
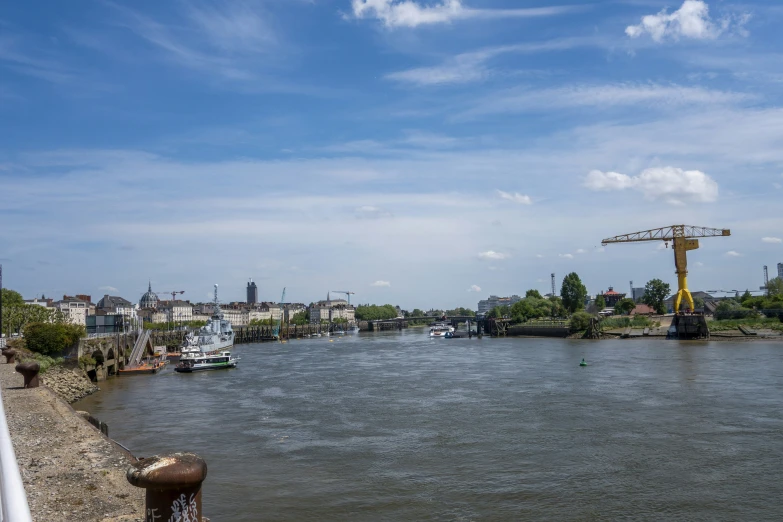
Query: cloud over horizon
691	20
669	184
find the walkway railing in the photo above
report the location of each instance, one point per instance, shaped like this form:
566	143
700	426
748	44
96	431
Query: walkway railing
13	500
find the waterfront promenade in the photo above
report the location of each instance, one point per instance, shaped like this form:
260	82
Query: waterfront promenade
70	471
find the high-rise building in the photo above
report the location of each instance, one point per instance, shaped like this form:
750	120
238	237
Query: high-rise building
252	293
485	305
780	270
638	294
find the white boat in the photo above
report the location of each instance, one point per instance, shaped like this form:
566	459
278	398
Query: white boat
439	331
216	336
196	363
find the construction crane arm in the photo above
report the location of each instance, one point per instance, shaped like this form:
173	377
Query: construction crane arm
668	234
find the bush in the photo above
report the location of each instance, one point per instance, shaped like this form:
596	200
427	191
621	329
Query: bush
736	313
44	361
580	321
48	338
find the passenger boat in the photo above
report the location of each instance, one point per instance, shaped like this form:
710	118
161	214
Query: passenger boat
439	331
190	363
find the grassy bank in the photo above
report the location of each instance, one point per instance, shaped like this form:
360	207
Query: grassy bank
752	323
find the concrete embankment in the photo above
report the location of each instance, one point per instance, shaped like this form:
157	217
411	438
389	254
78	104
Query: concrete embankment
71	472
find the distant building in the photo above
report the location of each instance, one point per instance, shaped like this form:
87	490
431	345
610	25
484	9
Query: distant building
780	270
177	311
485	305
149	299
331	309
669	302
75	310
611	297
98	324
252	293
112	305
643	309
637	294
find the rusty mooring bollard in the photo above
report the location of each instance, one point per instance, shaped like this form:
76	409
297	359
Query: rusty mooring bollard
9	355
29	371
173	484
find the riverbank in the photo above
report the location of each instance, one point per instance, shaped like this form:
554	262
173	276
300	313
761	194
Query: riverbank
71	472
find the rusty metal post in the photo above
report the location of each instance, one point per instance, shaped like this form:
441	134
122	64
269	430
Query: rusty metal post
9	355
29	371
173	484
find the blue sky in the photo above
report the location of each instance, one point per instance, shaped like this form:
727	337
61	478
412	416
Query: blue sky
423	153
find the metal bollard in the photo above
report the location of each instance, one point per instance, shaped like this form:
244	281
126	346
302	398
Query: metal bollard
9	355
173	484
29	371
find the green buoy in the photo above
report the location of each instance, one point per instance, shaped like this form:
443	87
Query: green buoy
583	363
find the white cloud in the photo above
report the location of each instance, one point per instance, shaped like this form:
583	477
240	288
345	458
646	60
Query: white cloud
772	240
381	283
566	256
691	20
474	288
516	197
108	289
409	13
581	251
539	256
733	253
371	212
670	184
491	254
777	186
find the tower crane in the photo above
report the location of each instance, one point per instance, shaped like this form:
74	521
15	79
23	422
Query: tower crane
346	292
174	294
684	238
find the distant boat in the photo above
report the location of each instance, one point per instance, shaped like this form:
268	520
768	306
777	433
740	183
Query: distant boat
197	363
217	335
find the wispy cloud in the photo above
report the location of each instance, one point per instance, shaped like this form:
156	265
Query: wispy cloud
691	20
232	40
472	66
381	283
733	253
516	197
492	255
651	95
108	289
371	212
410	13
670	184
474	288
566	256
772	240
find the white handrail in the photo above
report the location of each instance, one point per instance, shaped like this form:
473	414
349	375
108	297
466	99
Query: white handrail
13	499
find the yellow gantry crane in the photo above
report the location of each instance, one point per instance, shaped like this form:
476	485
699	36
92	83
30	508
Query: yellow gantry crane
684	238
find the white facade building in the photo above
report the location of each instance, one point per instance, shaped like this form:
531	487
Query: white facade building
485	305
74	310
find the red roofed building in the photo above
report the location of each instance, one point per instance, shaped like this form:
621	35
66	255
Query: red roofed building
611	297
643	309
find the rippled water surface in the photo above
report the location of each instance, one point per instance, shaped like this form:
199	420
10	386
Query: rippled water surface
401	427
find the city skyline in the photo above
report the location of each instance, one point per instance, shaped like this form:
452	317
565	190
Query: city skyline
429	154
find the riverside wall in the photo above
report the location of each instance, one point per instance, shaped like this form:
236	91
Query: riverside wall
70	470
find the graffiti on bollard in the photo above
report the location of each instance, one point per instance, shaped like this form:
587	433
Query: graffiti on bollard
172	484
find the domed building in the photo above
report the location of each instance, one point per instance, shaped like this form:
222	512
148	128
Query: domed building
149	299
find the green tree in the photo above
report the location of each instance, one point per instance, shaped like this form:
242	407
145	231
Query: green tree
624	306
600	302
460	312
745	296
655	293
580	321
573	293
417	313
375	312
301	318
558	309
775	287
533	293
499	312
11	297
52	338
698	303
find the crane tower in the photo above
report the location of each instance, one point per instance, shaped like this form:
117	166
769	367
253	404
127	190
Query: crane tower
683	238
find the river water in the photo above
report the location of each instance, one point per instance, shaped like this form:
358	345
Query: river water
396	426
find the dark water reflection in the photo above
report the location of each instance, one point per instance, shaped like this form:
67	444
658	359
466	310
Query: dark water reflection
401	427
